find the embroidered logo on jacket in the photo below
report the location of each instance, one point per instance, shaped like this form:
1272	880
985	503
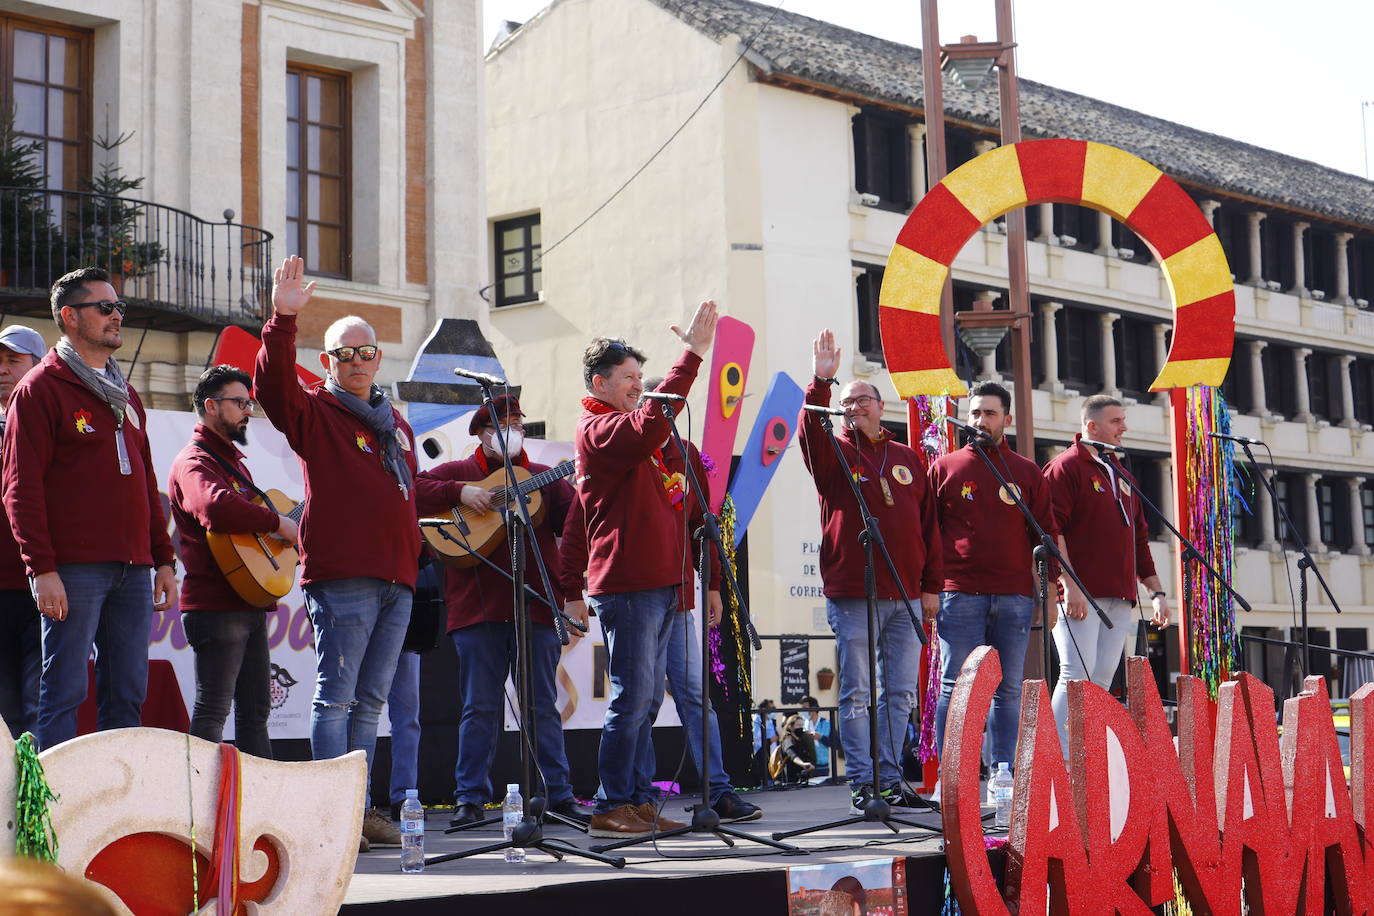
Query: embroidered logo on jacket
83	421
966	491
1097	485
364	441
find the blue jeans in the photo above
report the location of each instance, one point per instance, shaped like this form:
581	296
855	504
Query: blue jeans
359	627
403	712
110	606
683	672
1092	654
898	669
486	654
21	660
637	626
1003	622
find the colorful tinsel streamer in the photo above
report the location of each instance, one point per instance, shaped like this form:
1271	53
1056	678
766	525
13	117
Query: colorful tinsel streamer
932	442
731	631
1210	475
34	837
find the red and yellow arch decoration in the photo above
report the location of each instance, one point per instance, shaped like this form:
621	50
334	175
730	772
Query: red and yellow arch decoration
1092	175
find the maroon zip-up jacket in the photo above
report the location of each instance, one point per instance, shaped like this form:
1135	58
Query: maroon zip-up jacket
636	539
13	574
988	544
64	494
480	594
1103	526
909	526
206	497
357	522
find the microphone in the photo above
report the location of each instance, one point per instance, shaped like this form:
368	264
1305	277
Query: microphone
1105	446
480	378
830	411
969	428
1240	440
662	396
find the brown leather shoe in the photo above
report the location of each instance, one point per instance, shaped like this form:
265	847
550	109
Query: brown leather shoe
379	831
364	845
648	813
621	823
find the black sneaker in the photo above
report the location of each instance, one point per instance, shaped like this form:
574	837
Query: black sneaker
899	796
466	813
860	797
572	811
733	809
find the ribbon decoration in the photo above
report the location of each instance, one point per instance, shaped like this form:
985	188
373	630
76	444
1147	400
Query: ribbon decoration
932	441
34	837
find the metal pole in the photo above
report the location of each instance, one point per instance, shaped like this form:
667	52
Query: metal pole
934	91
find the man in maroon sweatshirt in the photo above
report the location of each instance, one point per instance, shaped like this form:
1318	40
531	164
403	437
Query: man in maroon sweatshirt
211	490
21	628
83	503
360	540
988	562
639	548
1107	542
892	480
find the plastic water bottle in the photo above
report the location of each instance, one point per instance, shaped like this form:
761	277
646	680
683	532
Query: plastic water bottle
412	833
1001	790
512	812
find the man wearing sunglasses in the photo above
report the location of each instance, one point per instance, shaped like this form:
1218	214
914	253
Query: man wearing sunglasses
83	503
1107	542
891	478
360	537
211	490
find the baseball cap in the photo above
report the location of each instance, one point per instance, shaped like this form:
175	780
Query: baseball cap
23	339
507	406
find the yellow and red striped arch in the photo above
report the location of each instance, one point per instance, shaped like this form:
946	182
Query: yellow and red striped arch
1093	175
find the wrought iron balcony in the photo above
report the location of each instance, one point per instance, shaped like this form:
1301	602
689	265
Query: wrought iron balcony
176	270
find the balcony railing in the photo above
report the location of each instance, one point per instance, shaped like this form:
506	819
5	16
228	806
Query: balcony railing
174	268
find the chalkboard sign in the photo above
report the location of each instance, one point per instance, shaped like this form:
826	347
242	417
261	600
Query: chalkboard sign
796	668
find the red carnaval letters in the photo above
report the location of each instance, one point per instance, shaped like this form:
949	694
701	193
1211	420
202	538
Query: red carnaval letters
1245	818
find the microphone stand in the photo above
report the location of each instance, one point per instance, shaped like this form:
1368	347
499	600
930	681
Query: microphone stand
529	834
876	809
704	817
1305	562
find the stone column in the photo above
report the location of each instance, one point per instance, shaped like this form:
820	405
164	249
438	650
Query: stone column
1161	354
1256	249
1299	264
917	133
1209	209
1049	346
1046	233
1261	409
1109	385
1347	393
1269	539
1357	535
1343	268
1104	235
1314	519
1304	397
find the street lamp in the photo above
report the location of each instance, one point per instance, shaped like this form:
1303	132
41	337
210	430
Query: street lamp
969	63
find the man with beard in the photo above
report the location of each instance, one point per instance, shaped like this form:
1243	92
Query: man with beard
211	490
83	503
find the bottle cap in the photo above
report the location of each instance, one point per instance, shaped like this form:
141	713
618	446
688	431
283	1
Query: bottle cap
412	793
512	787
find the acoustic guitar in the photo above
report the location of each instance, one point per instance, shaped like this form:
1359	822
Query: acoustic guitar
463	535
261	568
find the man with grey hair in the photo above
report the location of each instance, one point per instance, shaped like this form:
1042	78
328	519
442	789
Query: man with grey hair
359	536
1107	542
21	632
76	448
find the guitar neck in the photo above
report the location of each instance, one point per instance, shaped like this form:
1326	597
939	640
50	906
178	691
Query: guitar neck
529	485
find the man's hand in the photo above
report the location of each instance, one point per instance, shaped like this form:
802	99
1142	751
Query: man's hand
825	356
702	330
577	610
288	531
164	587
476	498
289	296
808	766
1160	617
930	605
714	607
50	595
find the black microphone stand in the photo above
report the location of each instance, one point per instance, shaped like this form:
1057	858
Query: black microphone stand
876	809
704	817
530	832
1305	562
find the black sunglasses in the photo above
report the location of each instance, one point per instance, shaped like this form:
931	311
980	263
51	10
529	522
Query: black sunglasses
345	354
106	306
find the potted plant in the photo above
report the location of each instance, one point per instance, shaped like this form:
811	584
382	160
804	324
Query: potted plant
825	678
109	224
27	239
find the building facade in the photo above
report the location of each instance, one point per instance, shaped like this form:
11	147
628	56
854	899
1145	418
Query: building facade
780	191
347	131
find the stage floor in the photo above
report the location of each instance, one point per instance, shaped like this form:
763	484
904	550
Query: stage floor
377	878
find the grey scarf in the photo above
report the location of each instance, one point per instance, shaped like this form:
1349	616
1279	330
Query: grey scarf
377	415
113	390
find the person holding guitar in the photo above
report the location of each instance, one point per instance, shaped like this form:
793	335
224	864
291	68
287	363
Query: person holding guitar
210	489
480	602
